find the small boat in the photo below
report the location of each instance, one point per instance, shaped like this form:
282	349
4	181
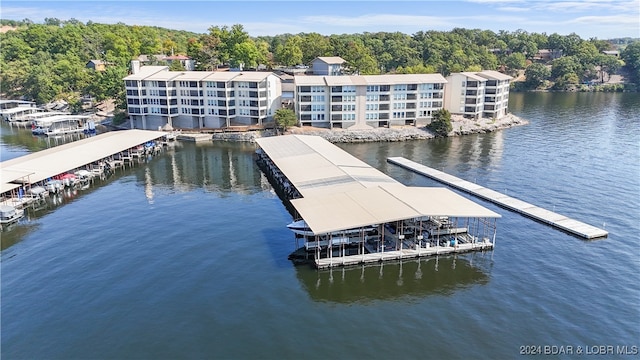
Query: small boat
38	192
69	179
9	214
300	227
54	186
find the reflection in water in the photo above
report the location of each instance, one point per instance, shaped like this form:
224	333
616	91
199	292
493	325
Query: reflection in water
18	141
483	152
417	278
215	167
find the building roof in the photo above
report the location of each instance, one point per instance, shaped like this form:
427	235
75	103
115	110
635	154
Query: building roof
331	59
162	73
177	57
342	192
146	71
390	79
470	75
404	79
494	75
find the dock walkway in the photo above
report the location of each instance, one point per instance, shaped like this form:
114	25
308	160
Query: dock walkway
400	254
545	216
39	166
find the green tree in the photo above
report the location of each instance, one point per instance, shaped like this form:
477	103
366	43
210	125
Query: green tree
631	57
441	123
608	65
564	66
536	74
290	53
515	61
285	118
314	45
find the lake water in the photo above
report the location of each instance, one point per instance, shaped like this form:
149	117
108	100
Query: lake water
185	256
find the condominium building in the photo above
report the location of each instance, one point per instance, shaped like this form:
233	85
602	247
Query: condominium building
200	99
478	94
369	100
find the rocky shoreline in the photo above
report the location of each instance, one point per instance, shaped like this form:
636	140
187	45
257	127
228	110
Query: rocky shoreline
461	126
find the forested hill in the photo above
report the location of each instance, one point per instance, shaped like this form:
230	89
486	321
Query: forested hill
48	61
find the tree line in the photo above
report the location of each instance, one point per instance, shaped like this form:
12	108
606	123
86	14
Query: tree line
48	61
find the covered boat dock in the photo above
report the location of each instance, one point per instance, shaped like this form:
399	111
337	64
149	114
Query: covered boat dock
28	170
357	214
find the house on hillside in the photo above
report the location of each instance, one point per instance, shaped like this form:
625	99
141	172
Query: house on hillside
97	65
546	55
328	65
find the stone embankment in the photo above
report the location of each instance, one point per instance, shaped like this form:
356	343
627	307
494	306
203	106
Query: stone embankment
461	126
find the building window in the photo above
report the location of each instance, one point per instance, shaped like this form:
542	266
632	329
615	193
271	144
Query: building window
317	98
400	96
317	89
398	115
399	105
373	88
317	116
375	97
400	87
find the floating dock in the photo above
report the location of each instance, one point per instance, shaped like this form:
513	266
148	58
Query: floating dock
351	213
86	154
551	218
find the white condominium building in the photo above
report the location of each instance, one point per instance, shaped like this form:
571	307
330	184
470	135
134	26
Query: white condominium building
478	94
200	99
369	100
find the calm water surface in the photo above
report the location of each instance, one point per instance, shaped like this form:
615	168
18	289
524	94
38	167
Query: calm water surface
185	256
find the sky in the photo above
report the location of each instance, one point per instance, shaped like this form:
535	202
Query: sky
602	19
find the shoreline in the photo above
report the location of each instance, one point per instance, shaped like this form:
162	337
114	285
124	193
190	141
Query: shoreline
461	126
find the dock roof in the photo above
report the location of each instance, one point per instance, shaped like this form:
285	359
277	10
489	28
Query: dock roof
342	192
44	164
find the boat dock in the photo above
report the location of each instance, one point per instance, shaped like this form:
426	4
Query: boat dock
347	212
89	155
551	218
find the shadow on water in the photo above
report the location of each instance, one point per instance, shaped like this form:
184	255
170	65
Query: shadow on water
389	281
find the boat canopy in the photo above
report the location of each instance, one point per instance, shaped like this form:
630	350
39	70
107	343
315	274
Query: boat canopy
342	192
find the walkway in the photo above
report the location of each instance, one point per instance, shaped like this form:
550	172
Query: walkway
548	217
44	164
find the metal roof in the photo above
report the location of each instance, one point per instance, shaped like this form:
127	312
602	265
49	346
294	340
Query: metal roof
342	192
44	164
390	79
145	71
494	75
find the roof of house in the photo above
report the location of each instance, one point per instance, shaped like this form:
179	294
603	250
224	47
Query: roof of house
96	62
177	57
342	192
331	59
